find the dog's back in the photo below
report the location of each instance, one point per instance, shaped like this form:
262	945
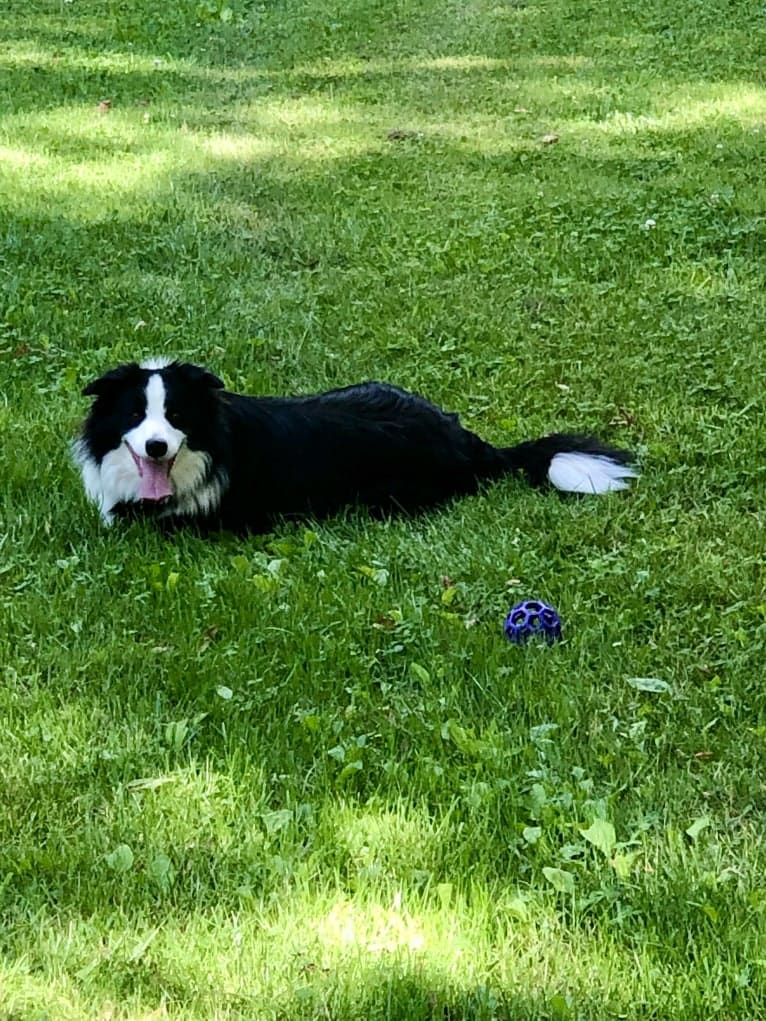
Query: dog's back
370	444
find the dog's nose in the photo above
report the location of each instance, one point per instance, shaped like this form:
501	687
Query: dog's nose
156	448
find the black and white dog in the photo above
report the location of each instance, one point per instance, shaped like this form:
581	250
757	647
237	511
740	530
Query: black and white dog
165	438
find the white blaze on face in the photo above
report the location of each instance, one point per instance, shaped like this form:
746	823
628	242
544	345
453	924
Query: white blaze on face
152	462
154	444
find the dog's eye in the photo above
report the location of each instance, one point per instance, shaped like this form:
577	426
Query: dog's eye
173	417
136	416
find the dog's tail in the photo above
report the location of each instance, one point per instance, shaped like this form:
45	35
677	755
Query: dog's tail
572	463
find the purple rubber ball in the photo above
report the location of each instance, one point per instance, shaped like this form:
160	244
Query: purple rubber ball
530	618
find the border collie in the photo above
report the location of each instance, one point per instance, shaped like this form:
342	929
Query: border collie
165	439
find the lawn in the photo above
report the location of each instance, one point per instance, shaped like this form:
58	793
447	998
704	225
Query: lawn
303	775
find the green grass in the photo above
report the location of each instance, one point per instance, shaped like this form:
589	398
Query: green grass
303	775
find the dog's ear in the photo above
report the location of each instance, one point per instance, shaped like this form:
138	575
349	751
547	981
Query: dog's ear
198	376
111	380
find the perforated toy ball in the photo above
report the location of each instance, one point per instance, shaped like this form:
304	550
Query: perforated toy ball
530	618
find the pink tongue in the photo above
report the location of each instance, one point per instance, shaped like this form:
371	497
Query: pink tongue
155	484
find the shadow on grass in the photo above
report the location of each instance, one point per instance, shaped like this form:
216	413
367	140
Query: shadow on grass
208	249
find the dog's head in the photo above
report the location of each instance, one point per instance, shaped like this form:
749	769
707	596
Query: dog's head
146	438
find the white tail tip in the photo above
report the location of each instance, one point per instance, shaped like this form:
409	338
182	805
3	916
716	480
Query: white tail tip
589	473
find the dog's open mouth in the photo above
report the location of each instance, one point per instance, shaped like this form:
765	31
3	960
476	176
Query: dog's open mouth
154	475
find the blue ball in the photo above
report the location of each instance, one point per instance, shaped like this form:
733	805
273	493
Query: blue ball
530	618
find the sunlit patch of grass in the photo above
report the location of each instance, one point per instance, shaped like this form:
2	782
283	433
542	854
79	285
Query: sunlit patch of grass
128	162
314	953
737	106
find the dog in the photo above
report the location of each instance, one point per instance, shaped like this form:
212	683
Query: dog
165	439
